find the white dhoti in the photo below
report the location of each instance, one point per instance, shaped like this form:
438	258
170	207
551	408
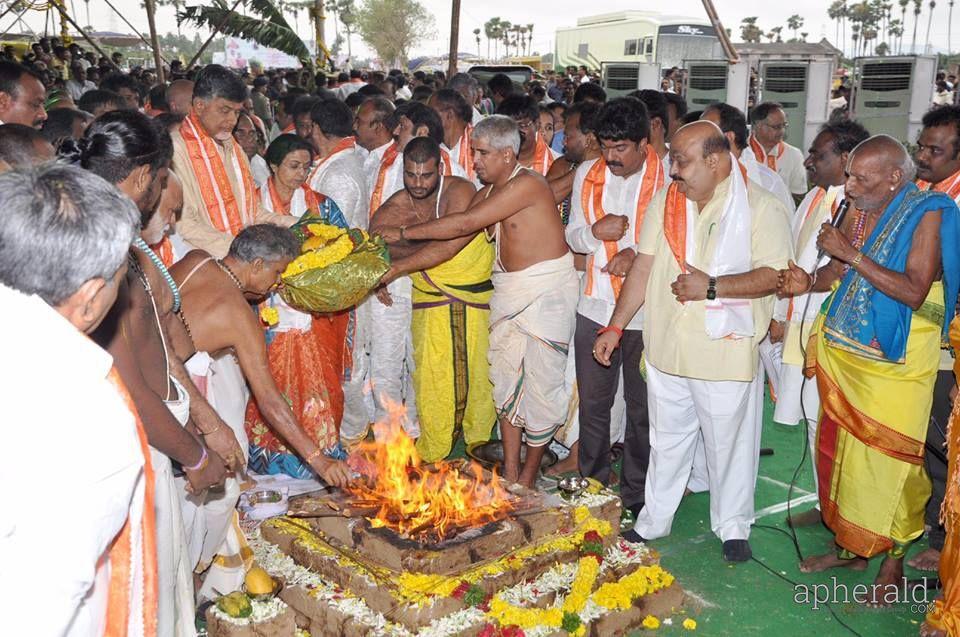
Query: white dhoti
357	398
175	608
771	355
391	355
729	415
210	518
532	320
569	432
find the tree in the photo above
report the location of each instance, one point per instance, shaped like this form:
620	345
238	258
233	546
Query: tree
794	23
917	8
505	27
749	31
267	27
949	27
530	38
491	29
476	34
895	31
929	24
835	12
882	49
392	27
777	31
803	36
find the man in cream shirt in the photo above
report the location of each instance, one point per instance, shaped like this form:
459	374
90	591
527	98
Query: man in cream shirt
705	273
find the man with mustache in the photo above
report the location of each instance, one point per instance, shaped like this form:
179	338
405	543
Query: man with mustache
22	95
705	272
876	355
450	297
793	317
608	205
938	168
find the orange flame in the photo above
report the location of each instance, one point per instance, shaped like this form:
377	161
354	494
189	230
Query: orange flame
423	502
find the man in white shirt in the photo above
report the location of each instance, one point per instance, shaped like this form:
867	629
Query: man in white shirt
54	291
768	127
374	134
78	84
610	197
469	88
338	174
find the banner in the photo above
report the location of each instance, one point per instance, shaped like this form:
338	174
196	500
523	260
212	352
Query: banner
238	54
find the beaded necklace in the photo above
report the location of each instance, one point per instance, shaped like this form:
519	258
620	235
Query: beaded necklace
226	270
141	245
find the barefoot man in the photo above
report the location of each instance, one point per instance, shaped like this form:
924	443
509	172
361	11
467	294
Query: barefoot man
876	350
451	311
535	291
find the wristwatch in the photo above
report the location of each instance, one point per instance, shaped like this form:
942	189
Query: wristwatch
712	288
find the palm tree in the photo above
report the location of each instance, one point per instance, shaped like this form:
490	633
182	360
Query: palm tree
522	30
776	33
794	23
749	31
903	20
917	8
882	49
476	34
895	30
926	46
835	12
490	30
505	27
530	37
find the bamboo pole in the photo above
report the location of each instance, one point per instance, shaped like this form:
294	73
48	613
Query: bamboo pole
728	49
454	39
154	40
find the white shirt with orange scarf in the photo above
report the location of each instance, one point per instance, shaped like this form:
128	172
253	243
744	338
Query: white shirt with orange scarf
596	193
785	160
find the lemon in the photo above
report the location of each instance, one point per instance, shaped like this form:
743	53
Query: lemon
258	582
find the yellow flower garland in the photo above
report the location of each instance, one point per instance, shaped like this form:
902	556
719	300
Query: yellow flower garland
321	257
643	581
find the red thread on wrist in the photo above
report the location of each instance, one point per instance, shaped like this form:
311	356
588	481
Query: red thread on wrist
610	328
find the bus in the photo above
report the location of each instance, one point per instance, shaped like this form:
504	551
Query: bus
636	36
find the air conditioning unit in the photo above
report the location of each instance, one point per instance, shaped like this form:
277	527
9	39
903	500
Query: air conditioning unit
620	78
803	88
709	81
891	94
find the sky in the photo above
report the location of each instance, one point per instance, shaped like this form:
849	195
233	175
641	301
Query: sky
546	15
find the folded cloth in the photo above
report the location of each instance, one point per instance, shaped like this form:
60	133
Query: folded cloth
532	320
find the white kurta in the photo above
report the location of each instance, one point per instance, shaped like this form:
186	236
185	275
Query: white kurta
56	526
789	167
259	170
341	177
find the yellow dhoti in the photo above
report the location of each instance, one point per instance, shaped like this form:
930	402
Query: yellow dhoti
451	321
870	443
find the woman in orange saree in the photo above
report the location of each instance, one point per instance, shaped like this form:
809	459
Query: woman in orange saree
305	351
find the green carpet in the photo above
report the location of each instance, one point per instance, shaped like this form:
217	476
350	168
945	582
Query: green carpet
746	599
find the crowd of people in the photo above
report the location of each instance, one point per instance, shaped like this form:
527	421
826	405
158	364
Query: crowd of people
567	270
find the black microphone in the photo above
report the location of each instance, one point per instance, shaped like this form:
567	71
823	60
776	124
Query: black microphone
836	223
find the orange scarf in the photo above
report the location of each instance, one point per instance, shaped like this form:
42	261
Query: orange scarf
121	552
291	128
164	250
949	186
447	163
225	212
593	183
389	159
675	221
542	159
346	143
466	153
312	198
763	157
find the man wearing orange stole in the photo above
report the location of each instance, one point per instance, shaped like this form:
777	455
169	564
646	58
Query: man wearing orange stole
534	152
938	168
219	194
876	351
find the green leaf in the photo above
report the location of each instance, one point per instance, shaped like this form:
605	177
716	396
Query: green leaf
270	29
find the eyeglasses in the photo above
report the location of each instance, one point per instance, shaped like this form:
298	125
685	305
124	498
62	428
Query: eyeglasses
778	127
525	124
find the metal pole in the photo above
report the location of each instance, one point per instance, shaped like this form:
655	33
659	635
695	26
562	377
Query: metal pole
150	20
214	34
728	49
154	40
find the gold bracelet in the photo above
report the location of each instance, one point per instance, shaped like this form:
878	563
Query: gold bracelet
857	259
315	454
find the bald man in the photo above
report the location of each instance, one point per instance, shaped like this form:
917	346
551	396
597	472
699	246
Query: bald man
705	273
877	351
179	96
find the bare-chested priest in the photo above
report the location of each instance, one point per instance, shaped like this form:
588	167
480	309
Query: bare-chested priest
451	297
216	312
532	310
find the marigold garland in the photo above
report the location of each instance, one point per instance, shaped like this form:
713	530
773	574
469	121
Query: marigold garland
320	257
270	316
651	623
